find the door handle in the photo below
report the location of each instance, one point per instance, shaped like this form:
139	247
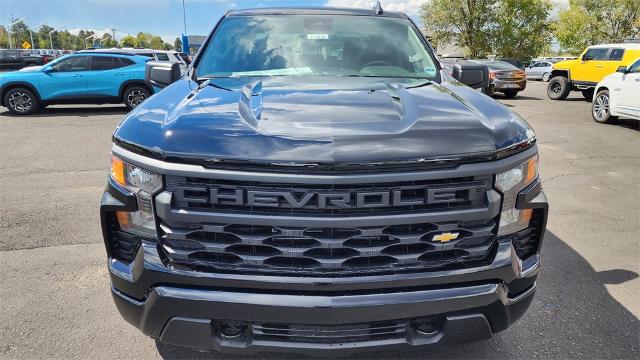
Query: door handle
599	66
77	75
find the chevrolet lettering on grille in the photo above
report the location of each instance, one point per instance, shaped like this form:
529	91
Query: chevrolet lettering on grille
240	196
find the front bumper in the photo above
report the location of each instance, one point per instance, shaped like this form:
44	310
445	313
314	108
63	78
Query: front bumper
180	309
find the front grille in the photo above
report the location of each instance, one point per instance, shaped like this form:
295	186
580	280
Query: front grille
414	196
331	251
330	334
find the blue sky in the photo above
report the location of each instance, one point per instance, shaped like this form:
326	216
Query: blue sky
161	17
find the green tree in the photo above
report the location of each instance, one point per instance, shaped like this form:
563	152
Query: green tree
177	44
156	43
19	34
467	24
522	28
588	22
129	41
4	39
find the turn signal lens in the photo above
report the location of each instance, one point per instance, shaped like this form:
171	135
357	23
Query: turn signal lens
117	170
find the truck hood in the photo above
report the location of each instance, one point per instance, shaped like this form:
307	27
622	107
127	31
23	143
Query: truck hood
327	120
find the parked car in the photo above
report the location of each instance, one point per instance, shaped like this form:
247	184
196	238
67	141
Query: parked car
17	59
79	78
505	78
320	185
540	70
618	95
157	55
584	73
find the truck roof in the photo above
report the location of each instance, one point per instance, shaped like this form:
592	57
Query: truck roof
316	11
626	46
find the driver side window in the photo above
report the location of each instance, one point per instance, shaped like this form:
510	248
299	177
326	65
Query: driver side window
635	68
77	63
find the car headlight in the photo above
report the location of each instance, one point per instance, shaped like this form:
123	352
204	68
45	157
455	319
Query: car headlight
144	184
510	183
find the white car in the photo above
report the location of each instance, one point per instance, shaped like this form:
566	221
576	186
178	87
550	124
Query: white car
540	70
617	95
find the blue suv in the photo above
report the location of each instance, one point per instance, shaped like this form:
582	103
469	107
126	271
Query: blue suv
77	78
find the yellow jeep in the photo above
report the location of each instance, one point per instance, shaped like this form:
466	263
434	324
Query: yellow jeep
584	73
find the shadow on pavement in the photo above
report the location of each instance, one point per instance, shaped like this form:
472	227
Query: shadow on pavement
72	111
572	316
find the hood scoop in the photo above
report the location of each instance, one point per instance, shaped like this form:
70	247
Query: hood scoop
327	113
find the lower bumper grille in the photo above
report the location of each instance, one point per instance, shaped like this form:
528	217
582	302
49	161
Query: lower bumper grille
333	251
330	334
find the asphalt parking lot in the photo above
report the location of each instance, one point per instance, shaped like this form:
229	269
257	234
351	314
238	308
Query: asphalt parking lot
54	288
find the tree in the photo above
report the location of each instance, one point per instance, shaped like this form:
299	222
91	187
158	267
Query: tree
177	44
156	43
129	41
588	22
467	24
4	39
522	29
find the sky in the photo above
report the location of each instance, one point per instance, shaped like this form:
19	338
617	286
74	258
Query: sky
162	17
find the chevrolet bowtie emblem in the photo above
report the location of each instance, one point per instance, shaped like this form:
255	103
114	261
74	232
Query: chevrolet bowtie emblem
445	237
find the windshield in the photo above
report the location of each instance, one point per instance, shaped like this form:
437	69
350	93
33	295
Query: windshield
316	45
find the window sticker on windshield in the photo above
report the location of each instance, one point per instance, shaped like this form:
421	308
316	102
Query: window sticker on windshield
430	70
317	36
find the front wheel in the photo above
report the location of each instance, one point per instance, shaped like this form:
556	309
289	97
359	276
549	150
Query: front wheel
21	101
546	77
558	88
601	108
135	95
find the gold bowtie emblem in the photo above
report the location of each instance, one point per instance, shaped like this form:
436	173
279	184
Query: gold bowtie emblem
445	237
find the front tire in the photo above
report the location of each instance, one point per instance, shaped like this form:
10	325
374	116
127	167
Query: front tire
134	95
21	101
510	94
601	108
546	77
558	88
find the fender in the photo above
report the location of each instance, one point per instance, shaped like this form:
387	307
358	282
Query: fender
13	84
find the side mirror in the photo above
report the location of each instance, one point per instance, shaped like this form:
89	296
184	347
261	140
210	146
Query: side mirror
48	69
586	57
161	73
622	69
472	75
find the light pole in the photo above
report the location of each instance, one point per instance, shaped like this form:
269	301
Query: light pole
9	29
87	38
33	46
51	38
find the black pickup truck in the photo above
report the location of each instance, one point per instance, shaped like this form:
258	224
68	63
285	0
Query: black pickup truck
317	183
18	59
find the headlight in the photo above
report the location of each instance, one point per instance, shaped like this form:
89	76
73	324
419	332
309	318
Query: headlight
510	183
144	184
